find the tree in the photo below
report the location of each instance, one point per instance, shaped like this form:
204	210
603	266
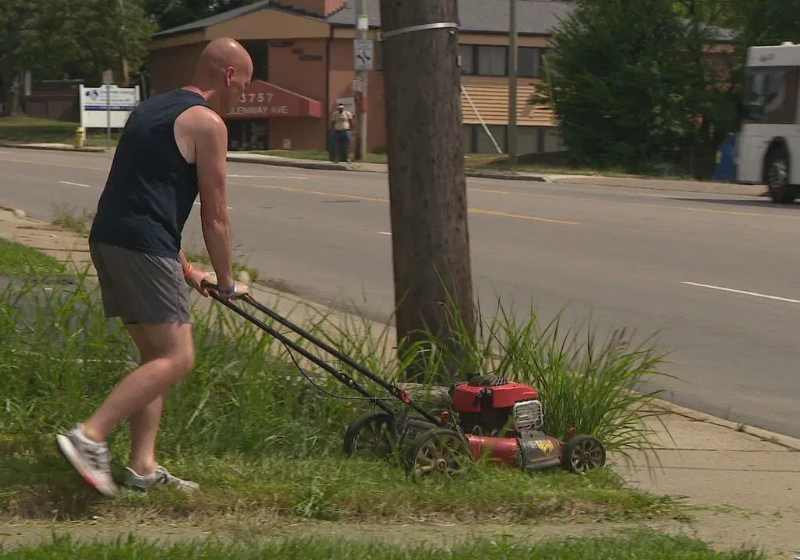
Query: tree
76	38
106	35
626	83
427	181
172	13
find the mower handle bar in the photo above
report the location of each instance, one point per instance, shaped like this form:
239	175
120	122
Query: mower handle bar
341	376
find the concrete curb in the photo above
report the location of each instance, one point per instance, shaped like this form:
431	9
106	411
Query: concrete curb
311	164
764	435
326	166
51	147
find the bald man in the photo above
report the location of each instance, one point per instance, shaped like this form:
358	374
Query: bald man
173	147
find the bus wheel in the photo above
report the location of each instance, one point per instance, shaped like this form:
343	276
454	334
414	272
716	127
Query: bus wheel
777	166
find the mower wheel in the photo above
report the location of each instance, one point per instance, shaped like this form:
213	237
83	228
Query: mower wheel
584	453
371	434
438	454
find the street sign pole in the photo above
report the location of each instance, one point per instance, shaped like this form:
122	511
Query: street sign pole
362	66
108	78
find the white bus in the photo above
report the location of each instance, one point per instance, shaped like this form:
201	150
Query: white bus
768	147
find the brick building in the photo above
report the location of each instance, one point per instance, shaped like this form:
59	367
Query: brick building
303	57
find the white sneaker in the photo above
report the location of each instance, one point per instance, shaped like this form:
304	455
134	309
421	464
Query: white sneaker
159	477
90	459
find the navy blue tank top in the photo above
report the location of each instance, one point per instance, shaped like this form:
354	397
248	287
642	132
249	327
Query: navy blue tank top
151	188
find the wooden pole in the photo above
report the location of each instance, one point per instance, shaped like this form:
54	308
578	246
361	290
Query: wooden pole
427	182
512	83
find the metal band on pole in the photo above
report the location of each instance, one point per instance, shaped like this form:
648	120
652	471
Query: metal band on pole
423	27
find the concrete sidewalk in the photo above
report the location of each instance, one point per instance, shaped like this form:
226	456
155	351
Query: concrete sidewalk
707	187
746	482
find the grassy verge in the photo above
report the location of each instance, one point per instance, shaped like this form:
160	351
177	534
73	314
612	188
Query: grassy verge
262	441
498	163
16	259
640	544
30	130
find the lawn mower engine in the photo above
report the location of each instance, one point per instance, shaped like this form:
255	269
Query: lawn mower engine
504	420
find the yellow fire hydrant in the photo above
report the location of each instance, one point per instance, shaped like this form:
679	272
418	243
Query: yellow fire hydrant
80	137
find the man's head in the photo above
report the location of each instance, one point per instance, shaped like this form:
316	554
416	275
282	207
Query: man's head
223	71
340	107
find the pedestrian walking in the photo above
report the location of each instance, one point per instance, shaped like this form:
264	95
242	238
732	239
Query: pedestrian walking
172	149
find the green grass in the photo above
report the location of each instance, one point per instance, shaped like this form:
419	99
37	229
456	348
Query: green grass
34	130
262	440
492	162
16	259
642	544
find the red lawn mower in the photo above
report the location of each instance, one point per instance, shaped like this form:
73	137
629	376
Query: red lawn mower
488	418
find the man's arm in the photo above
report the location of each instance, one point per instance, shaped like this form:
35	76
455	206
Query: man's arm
211	150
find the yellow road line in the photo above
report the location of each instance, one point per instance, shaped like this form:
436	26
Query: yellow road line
371	199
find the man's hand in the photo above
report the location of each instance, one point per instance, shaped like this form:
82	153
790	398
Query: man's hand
195	279
240	290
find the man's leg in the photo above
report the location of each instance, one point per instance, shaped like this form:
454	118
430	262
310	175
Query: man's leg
148	291
85	446
144	471
145	423
172	361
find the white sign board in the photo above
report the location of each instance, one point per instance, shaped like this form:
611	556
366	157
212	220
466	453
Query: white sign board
363	54
94	105
363	22
360	83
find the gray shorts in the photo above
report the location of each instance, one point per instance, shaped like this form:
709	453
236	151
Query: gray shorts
140	288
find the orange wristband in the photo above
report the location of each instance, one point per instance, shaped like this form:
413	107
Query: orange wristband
188	270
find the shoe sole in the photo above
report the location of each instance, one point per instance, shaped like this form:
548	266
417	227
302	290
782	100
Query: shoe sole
70	453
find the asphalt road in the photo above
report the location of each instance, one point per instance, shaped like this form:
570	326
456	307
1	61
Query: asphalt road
660	263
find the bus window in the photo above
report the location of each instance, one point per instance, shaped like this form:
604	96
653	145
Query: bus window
772	95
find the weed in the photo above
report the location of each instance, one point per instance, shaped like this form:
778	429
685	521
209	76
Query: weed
66	217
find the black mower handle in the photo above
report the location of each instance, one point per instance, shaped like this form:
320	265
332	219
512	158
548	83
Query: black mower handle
393	389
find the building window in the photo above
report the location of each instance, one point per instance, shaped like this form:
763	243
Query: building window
484	144
259	52
527	140
492	61
466	55
529	62
483	60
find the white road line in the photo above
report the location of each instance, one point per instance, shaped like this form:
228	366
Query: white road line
384	233
75	184
754	294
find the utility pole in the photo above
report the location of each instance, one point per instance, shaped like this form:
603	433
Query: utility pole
427	180
362	26
513	66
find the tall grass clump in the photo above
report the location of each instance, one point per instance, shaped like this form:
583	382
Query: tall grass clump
597	387
60	358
